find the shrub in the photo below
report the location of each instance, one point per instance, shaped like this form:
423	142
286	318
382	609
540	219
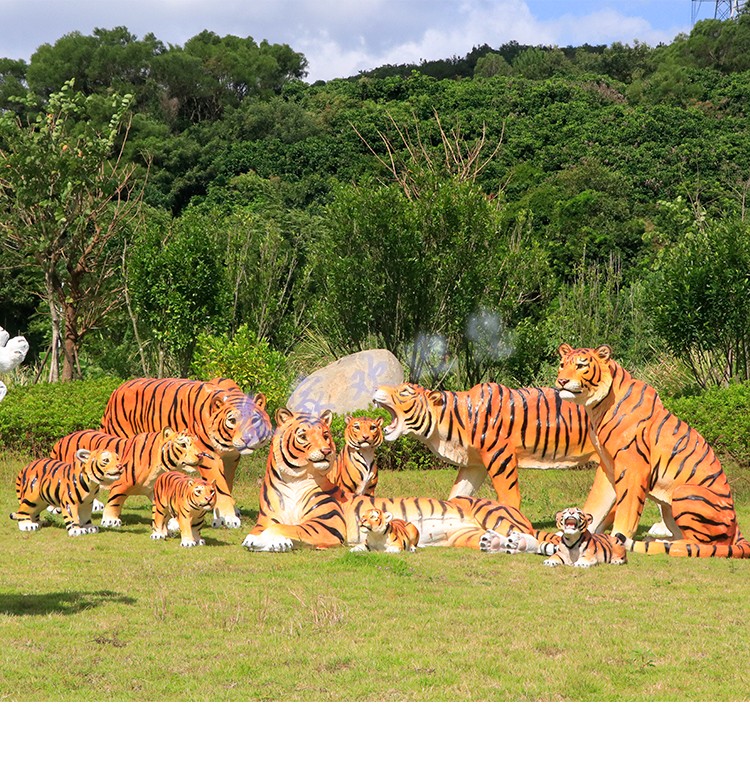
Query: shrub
34	417
722	416
251	363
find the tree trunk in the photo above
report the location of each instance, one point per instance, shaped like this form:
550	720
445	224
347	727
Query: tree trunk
54	347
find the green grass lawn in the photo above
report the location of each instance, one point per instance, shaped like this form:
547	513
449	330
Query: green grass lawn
118	617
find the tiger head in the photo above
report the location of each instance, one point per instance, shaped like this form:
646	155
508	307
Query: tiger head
572	521
412	407
201	495
363	432
585	374
180	451
236	421
102	466
302	444
375	521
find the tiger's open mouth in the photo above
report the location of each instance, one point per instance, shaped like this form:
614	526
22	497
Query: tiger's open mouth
382	400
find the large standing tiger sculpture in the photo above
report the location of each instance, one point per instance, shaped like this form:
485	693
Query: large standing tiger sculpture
72	487
300	506
647	452
143	457
356	469
224	420
492	429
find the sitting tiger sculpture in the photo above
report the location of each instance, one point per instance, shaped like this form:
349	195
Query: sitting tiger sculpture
72	487
300	506
384	533
225	421
356	469
143	457
647	452
187	500
491	429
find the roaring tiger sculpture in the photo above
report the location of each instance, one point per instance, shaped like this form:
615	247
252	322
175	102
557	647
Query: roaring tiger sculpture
300	506
645	451
491	429
224	420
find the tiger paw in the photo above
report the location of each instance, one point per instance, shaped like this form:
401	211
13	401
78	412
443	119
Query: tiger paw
190	543
264	542
491	542
358	548
158	536
551	563
111	522
97	506
54	509
28	526
520	542
659	530
581	564
90	529
231	522
75	532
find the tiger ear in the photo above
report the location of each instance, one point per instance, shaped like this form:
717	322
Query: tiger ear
379	422
326	416
387	516
436	398
589	519
283	415
604	352
83	454
259	399
558	517
564	349
348	418
167	433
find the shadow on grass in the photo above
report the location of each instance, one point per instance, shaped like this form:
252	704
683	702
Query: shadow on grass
58	603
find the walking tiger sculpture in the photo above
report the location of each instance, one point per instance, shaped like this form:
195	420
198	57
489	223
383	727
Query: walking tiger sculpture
224	420
300	506
492	429
645	451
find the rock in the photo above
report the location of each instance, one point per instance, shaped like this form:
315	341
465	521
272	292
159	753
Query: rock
348	384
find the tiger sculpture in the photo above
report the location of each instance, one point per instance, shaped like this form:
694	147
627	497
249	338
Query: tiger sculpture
578	547
300	506
356	470
384	533
3	390
225	421
143	457
183	498
72	487
645	451
492	429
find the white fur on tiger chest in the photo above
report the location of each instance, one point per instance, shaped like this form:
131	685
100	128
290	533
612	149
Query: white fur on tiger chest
376	541
293	496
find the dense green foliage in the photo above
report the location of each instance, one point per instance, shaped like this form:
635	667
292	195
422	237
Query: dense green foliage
468	214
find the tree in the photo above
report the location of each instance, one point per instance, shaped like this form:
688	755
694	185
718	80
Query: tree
65	195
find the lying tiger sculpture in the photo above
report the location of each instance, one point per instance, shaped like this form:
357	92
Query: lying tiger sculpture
143	457
578	547
492	429
356	469
225	421
72	487
384	533
185	499
647	452
300	506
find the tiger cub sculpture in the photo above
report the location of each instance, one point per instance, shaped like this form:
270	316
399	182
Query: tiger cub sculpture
143	457
645	451
384	533
356	468
72	487
578	547
491	429
186	499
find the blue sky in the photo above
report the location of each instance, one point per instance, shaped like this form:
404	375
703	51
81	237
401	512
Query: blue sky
343	37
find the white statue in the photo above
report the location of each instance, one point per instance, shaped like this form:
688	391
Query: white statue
13	351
